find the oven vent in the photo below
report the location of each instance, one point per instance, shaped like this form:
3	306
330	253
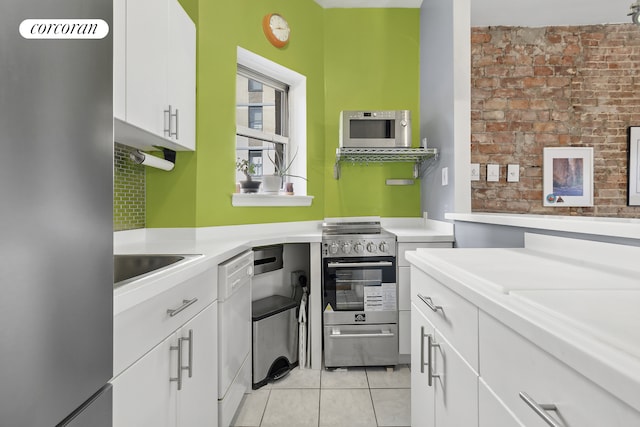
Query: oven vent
267	258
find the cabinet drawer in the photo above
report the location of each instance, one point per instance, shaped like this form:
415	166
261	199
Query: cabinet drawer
402	247
491	410
455	317
512	364
141	327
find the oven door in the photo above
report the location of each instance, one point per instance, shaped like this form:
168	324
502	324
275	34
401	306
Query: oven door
359	290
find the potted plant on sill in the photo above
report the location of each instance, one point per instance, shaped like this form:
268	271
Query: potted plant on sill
248	169
273	183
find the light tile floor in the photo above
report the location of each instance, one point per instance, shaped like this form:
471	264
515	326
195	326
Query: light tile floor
371	397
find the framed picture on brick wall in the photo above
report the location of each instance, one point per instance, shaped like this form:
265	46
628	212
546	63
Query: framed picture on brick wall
633	187
568	176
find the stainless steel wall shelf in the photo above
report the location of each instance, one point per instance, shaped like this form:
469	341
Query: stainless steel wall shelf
384	155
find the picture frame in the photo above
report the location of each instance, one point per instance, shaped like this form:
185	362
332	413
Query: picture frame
633	182
568	176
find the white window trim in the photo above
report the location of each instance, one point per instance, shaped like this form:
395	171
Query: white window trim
297	125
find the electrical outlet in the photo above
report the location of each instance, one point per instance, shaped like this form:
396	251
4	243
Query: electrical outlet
295	277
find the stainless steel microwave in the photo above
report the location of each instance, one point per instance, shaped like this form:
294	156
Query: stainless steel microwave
375	129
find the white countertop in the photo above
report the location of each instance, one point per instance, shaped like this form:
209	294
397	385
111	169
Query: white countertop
601	226
217	244
583	314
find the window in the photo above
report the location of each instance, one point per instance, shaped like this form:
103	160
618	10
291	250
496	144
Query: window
271	122
261	121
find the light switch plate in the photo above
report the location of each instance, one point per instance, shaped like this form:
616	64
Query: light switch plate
493	173
475	172
445	176
513	173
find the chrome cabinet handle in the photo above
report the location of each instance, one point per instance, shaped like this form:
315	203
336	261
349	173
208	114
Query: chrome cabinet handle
189	367
176	115
541	409
422	337
185	303
168	114
430	375
430	304
167	122
177	379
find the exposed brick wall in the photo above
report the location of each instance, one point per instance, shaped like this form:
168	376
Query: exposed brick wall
553	87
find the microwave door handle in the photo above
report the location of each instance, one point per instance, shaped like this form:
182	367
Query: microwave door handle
359	264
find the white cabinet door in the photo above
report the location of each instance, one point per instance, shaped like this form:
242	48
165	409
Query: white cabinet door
181	73
456	387
119	32
197	401
143	395
146	64
422	395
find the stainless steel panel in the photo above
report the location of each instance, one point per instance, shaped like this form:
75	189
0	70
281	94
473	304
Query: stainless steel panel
360	345
56	179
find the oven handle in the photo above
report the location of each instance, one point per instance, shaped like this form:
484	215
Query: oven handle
381	334
360	264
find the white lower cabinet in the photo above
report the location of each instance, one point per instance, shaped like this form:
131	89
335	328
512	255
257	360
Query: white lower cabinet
444	387
404	294
511	365
142	395
158	391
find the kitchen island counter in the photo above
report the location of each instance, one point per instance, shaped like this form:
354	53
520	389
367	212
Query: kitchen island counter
576	304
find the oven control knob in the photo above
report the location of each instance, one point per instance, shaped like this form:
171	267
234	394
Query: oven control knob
333	248
371	247
346	247
384	247
358	247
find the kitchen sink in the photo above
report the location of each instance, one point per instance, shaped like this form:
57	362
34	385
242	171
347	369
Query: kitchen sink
127	267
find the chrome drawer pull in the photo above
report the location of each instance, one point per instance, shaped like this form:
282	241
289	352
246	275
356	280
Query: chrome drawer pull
430	375
185	303
541	409
430	304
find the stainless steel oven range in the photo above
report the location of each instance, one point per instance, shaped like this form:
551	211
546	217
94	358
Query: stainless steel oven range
359	294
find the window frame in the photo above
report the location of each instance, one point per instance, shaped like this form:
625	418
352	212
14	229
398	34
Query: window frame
296	141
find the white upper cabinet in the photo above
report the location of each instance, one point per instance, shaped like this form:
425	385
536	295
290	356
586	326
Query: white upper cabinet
154	74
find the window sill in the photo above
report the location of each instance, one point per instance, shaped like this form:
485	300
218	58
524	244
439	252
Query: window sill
259	199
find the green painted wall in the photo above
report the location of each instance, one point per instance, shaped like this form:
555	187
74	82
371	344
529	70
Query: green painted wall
327	47
371	62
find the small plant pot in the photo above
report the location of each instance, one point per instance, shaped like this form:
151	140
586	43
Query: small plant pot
249	186
271	184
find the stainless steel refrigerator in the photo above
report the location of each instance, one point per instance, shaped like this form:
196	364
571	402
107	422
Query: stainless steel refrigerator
56	240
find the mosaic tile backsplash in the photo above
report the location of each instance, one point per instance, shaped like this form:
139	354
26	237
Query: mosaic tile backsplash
129	201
